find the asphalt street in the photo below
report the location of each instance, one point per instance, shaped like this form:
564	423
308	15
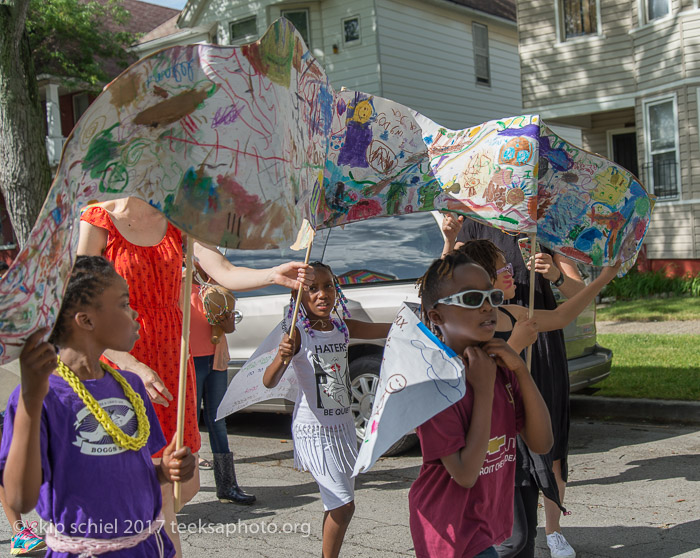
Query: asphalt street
633	493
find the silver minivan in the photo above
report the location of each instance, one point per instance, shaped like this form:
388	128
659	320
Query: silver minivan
377	262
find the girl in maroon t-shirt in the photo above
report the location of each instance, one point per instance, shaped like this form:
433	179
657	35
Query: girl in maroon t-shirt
461	503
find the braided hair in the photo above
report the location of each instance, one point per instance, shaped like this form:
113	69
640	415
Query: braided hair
485	253
340	308
429	285
90	276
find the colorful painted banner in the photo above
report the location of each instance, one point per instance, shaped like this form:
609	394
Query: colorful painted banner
238	145
420	376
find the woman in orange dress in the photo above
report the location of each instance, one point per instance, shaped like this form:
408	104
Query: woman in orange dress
147	251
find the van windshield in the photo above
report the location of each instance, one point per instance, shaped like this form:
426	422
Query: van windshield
396	248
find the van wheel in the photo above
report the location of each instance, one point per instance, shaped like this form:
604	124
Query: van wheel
364	379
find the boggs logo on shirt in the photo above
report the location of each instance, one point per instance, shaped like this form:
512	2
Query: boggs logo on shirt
92	438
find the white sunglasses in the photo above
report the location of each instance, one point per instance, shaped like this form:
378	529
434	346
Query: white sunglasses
473	299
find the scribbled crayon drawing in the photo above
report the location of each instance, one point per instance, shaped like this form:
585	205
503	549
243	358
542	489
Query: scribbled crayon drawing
237	146
394	384
448	384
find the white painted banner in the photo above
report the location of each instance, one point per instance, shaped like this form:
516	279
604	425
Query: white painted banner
420	376
246	387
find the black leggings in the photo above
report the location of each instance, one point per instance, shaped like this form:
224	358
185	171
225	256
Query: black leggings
521	543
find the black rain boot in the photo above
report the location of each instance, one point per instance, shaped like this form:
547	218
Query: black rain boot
227	489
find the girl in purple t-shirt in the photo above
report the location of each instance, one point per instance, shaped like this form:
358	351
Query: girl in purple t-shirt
79	435
461	504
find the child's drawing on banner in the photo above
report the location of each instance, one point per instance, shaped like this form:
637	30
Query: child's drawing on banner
420	376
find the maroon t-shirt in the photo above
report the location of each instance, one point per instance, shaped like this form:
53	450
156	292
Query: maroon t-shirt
448	520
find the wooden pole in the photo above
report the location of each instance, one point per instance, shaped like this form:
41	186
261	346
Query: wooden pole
531	302
298	301
184	357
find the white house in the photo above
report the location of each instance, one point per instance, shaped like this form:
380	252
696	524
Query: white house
626	73
456	61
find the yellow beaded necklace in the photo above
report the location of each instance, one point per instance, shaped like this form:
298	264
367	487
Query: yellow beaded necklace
120	438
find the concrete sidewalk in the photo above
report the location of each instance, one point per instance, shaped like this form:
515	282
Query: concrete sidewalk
645	411
667	328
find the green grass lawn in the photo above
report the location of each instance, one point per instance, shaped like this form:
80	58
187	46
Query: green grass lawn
652	366
651	310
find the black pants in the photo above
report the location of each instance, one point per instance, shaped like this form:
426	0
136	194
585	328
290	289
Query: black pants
521	543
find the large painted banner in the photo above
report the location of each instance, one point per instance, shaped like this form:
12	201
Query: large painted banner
238	145
420	376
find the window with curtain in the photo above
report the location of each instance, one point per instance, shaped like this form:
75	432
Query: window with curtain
657	9
662	162
580	18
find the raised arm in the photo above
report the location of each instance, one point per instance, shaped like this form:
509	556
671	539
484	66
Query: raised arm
451	224
565	313
367	330
559	269
237	278
23	474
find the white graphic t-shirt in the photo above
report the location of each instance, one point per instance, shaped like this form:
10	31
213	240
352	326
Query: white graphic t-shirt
321	366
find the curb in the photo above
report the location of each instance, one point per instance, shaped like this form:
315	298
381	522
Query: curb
643	410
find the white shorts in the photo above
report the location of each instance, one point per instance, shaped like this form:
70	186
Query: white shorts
329	454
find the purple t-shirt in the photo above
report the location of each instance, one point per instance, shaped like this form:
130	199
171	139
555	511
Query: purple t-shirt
91	487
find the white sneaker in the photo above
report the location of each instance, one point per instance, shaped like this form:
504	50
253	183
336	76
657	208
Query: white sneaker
559	547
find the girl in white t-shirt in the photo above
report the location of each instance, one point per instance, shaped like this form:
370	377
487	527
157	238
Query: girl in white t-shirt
323	428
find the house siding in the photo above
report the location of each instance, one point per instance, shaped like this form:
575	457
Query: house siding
675	226
325	21
595	138
574	70
421	48
355	66
630	62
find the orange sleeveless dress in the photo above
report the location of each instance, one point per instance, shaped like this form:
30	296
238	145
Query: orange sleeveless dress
154	276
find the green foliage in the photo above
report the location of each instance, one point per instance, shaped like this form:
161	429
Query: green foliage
640	285
652	366
73	39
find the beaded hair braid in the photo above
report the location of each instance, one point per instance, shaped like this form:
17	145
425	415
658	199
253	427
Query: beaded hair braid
340	307
429	284
90	276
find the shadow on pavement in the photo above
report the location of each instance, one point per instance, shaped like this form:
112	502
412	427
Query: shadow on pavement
667	467
270	500
279	456
584	437
388	479
632	542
